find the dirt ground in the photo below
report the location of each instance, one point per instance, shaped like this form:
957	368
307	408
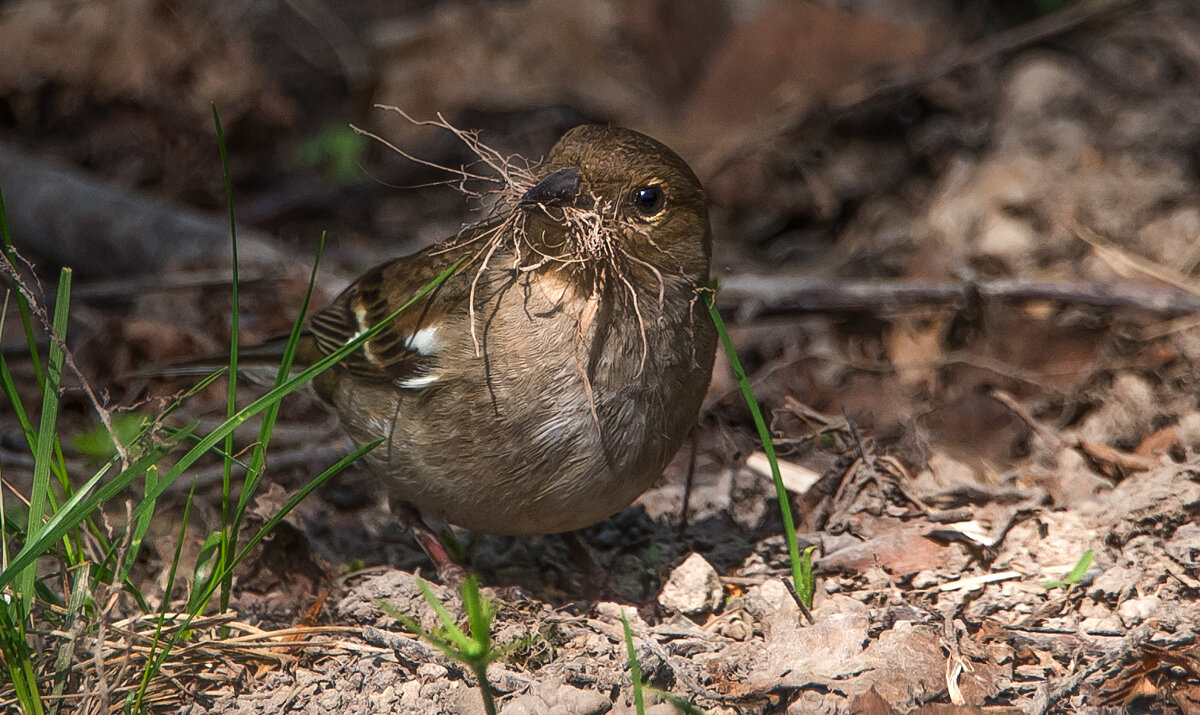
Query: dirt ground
957	244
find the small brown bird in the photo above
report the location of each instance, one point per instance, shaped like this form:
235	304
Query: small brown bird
546	383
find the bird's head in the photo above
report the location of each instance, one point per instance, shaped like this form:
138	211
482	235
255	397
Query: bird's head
608	193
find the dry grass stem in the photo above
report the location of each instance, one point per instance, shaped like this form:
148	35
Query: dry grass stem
36	302
110	660
1123	262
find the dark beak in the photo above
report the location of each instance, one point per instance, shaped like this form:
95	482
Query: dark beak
561	186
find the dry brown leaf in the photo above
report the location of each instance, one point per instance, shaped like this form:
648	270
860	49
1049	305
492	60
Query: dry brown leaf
915	350
762	67
1159	443
143	51
1115	463
494	57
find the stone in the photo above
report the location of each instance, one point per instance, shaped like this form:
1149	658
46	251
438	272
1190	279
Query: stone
554	697
1007	239
693	589
1137	610
1114	582
1189	431
1184	545
1101	626
925	579
431	671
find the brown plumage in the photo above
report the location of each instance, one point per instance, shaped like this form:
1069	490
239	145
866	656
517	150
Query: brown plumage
548	381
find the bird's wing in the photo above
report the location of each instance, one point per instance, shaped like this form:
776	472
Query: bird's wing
406	352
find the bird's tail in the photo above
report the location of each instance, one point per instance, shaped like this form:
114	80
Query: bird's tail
257	363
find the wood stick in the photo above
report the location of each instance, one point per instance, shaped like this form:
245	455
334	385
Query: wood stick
749	295
67	218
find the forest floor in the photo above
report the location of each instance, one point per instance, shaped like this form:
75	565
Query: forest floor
958	258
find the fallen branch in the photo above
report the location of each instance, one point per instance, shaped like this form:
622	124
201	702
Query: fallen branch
67	217
749	295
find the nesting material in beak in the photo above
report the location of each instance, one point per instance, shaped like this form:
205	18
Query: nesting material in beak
560	187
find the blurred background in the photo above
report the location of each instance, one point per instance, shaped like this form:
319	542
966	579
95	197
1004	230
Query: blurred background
870	144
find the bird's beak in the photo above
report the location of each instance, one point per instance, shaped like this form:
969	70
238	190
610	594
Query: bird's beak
562	186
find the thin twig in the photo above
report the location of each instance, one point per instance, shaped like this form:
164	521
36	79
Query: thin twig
688	480
39	310
749	295
1052	440
791	589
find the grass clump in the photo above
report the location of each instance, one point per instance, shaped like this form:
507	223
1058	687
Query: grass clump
64	568
475	648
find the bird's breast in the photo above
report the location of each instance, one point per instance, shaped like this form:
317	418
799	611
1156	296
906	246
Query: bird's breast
553	407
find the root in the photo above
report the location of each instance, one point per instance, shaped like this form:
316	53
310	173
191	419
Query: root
593	251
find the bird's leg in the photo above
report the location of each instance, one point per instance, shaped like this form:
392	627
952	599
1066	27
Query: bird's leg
595	577
687	482
450	573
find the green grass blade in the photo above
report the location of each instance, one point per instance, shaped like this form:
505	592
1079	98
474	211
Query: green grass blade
47	431
166	601
8	385
229	541
14	399
1081	567
10	255
18	660
300	495
412	625
81	592
82	503
479	616
1076	574
254	471
59	465
807	588
208	564
764	434
141	526
10	389
453	632
261	534
635	668
184	398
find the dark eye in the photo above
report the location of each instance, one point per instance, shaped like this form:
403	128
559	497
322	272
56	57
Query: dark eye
648	200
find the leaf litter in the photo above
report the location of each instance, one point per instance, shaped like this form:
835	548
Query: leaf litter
1002	444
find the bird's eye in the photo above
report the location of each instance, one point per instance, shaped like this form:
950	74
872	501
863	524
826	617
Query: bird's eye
648	200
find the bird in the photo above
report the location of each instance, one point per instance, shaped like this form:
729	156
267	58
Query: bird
549	379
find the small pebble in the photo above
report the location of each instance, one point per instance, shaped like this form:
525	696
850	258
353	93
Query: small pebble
431	671
693	589
383	700
1101	626
924	579
1137	610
